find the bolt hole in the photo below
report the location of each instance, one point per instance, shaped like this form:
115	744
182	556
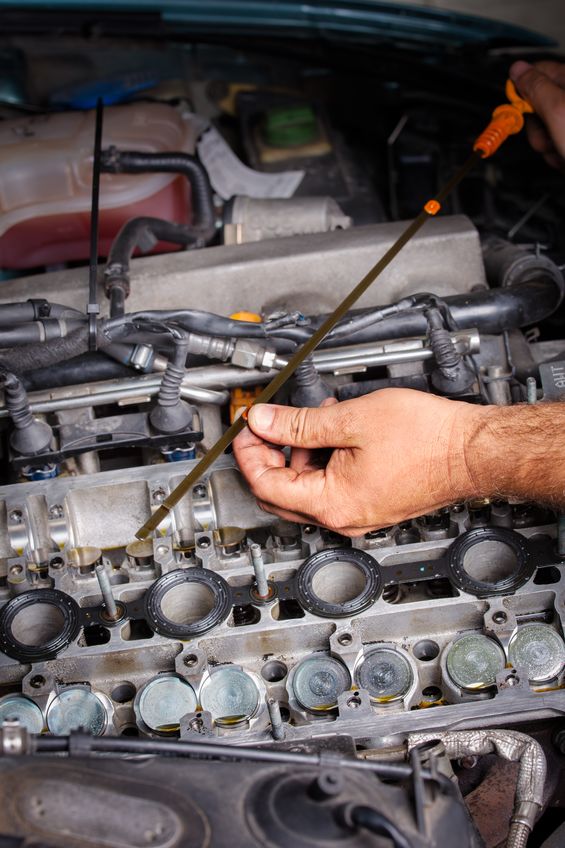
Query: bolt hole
345	639
57	562
425	650
432	693
274	671
37	681
499	617
204	542
190	660
354	703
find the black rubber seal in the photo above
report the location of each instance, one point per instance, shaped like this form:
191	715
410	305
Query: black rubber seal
159	623
370	569
518	544
70	629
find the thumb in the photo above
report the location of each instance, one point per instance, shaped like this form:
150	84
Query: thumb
545	95
329	426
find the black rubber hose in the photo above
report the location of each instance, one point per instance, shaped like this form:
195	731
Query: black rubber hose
12	314
370	819
491	311
38	332
141	232
136	162
86	368
29	357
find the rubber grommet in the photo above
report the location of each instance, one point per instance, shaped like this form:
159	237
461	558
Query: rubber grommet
69	630
525	565
158	621
310	601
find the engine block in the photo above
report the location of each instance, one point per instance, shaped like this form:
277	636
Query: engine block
459	611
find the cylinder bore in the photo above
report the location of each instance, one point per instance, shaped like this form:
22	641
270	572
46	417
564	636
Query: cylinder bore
490	561
473	661
74	708
540	650
230	695
386	675
37	625
318	682
187	603
162	702
23	710
338	582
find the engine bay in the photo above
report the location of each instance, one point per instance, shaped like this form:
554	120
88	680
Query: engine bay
262	188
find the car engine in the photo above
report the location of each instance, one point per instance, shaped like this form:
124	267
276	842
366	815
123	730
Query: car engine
415	651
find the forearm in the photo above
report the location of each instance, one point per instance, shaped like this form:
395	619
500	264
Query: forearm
519	452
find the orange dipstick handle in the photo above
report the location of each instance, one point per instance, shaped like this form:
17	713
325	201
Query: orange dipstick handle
506	120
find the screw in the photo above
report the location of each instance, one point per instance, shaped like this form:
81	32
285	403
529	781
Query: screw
532	390
277	728
56	511
199	491
159	496
16	516
259	569
106	589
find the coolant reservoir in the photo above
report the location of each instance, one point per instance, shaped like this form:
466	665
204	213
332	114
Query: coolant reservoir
46	173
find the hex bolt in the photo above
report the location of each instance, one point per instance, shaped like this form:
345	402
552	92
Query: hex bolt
532	390
277	728
106	589
259	569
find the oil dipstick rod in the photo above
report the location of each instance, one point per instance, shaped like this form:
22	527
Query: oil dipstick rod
506	120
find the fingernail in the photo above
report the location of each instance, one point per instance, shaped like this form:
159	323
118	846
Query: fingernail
261	416
518	69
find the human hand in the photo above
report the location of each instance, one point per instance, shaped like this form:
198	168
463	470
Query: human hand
543	84
398	453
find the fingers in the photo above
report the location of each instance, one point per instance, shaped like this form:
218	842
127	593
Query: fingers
304	459
546	96
329	426
269	479
538	136
554	70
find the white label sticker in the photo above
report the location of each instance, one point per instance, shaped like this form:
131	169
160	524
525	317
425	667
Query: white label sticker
229	176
